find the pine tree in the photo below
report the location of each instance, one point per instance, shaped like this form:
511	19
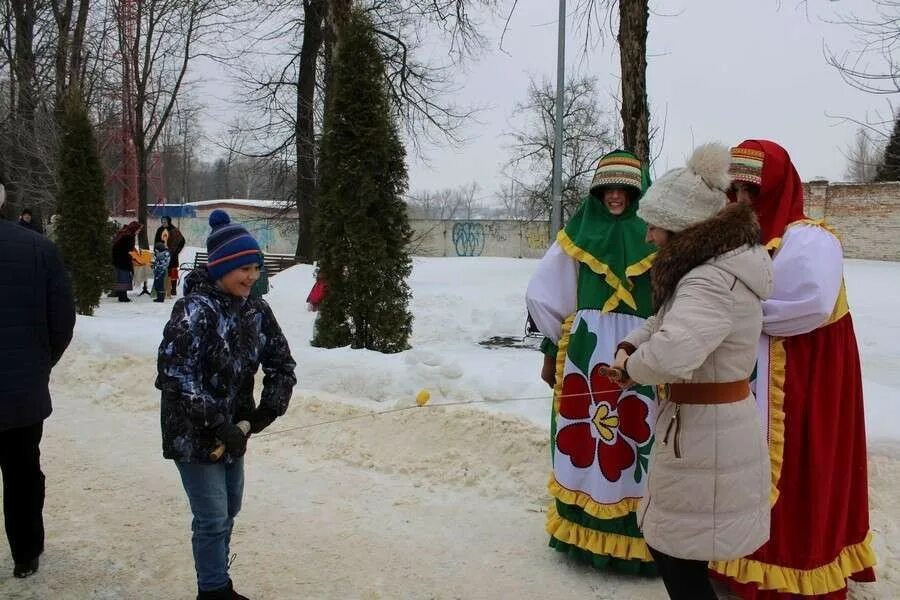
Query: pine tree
362	226
889	169
82	230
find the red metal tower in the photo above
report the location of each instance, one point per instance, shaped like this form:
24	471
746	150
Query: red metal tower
126	174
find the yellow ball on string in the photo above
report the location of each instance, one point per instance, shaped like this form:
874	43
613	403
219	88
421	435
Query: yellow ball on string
423	397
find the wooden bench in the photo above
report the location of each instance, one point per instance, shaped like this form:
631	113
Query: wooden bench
272	265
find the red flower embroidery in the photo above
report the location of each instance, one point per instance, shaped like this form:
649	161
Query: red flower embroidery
607	415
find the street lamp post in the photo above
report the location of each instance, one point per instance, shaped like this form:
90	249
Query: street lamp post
556	207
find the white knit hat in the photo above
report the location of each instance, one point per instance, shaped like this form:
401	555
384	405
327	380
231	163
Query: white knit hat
684	197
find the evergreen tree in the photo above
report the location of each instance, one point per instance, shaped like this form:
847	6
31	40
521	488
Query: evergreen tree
362	226
889	169
82	230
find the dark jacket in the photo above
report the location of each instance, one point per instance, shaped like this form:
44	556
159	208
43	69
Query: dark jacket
32	225
174	241
212	347
37	315
121	259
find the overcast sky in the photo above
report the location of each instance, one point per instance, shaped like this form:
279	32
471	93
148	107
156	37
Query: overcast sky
722	70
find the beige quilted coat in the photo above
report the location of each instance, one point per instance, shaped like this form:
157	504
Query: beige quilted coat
712	501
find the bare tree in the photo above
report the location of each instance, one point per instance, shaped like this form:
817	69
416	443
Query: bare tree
156	44
69	45
586	137
293	88
864	157
873	65
446	204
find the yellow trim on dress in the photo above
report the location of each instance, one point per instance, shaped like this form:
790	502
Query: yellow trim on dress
825	579
596	542
620	509
841	306
562	350
777	375
620	289
775	243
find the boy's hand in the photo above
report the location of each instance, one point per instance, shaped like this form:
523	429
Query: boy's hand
234	439
261	418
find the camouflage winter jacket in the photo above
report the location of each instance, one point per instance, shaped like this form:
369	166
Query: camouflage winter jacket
212	347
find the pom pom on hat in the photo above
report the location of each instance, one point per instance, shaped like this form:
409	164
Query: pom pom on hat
686	196
230	246
218	218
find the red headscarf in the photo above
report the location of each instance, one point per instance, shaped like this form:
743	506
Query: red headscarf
780	199
127	231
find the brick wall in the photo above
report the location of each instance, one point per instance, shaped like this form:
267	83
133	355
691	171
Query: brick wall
866	216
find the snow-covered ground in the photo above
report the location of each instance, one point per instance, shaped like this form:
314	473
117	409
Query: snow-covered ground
433	502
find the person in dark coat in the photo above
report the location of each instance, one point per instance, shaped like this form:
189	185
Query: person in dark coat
123	244
215	341
172	237
36	323
26	220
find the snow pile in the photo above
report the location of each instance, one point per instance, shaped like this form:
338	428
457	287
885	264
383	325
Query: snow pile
408	504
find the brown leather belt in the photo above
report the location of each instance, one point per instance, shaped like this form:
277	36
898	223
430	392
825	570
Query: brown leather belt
708	393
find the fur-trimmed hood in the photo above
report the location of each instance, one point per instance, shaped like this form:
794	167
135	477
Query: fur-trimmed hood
729	240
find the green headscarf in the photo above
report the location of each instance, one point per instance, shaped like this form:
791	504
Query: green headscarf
611	246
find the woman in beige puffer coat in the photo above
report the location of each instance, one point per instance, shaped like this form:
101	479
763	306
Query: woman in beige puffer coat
708	492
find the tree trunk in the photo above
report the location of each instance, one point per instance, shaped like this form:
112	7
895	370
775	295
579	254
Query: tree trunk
633	17
313	35
25	21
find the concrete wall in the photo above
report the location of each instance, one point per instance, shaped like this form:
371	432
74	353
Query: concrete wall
272	236
516	239
866	216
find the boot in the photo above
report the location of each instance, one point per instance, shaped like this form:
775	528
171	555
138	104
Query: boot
29	568
160	297
123	297
225	593
174	288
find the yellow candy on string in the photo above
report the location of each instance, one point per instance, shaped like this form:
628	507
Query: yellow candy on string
423	397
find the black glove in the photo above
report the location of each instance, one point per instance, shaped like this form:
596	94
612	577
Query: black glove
234	439
261	418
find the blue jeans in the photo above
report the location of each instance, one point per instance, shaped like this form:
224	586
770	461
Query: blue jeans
214	492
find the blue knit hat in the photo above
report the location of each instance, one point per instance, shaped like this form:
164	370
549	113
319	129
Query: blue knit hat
230	246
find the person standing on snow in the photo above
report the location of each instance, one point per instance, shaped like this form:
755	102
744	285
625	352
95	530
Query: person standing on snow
160	271
591	289
122	247
708	491
810	391
36	323
216	339
172	237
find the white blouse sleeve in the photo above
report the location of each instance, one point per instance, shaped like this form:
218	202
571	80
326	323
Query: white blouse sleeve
551	294
809	270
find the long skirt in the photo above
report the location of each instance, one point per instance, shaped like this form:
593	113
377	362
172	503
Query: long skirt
124	281
601	438
811	391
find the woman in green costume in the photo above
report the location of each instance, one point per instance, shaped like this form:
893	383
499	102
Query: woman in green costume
590	290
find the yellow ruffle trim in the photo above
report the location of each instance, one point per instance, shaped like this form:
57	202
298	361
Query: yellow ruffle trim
589	505
821	580
775	243
777	375
562	351
620	289
596	542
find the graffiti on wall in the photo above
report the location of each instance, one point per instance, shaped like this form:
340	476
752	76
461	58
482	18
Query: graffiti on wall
536	237
468	238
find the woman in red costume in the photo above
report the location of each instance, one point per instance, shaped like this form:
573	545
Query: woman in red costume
810	395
